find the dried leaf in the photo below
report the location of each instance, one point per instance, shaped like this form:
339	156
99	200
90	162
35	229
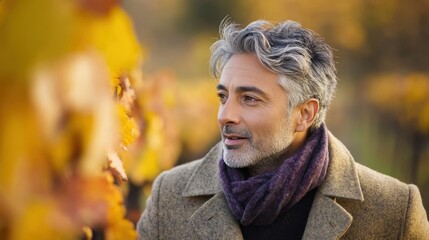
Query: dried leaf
116	165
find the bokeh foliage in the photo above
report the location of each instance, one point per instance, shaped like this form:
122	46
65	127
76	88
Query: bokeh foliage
380	111
76	120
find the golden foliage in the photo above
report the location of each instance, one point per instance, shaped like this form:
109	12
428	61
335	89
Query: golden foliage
198	114
113	37
32	31
129	128
321	16
60	124
404	97
158	147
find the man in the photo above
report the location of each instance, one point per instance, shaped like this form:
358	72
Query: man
278	172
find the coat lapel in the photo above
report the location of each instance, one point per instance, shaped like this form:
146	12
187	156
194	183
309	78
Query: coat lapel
213	220
205	180
328	219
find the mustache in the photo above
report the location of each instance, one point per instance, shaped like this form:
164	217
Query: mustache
229	129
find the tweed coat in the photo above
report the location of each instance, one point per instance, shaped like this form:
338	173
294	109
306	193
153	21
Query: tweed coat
354	202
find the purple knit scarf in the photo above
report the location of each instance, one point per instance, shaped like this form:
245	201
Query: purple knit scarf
260	199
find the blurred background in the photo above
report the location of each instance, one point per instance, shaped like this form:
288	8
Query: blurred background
99	97
381	109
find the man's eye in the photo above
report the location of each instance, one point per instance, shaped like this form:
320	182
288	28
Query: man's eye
222	97
250	99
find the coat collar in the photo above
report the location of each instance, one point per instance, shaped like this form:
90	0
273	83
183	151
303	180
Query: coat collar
342	179
213	220
205	179
327	218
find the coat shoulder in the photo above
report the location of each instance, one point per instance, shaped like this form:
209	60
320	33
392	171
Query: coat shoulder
167	211
373	182
175	179
384	196
387	208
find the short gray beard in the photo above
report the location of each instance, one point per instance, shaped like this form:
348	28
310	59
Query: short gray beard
264	152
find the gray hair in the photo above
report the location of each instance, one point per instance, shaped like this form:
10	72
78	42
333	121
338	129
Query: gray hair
302	59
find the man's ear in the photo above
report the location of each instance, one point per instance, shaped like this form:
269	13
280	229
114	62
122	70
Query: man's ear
307	113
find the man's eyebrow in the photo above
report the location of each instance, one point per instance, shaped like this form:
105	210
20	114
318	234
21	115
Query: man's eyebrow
250	89
221	87
242	89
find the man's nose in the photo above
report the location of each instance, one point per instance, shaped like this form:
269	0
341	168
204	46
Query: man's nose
229	113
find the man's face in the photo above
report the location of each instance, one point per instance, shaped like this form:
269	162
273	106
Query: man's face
252	114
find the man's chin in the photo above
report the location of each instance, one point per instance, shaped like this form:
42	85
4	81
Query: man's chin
231	147
234	161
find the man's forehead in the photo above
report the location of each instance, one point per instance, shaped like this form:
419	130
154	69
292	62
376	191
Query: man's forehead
238	71
245	63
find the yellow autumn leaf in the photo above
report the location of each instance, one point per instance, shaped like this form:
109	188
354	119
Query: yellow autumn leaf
74	106
115	163
87	232
38	221
113	36
129	129
32	31
121	229
147	167
23	168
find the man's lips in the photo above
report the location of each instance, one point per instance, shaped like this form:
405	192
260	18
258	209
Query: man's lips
233	139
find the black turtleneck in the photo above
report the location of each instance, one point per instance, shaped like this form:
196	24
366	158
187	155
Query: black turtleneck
289	225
